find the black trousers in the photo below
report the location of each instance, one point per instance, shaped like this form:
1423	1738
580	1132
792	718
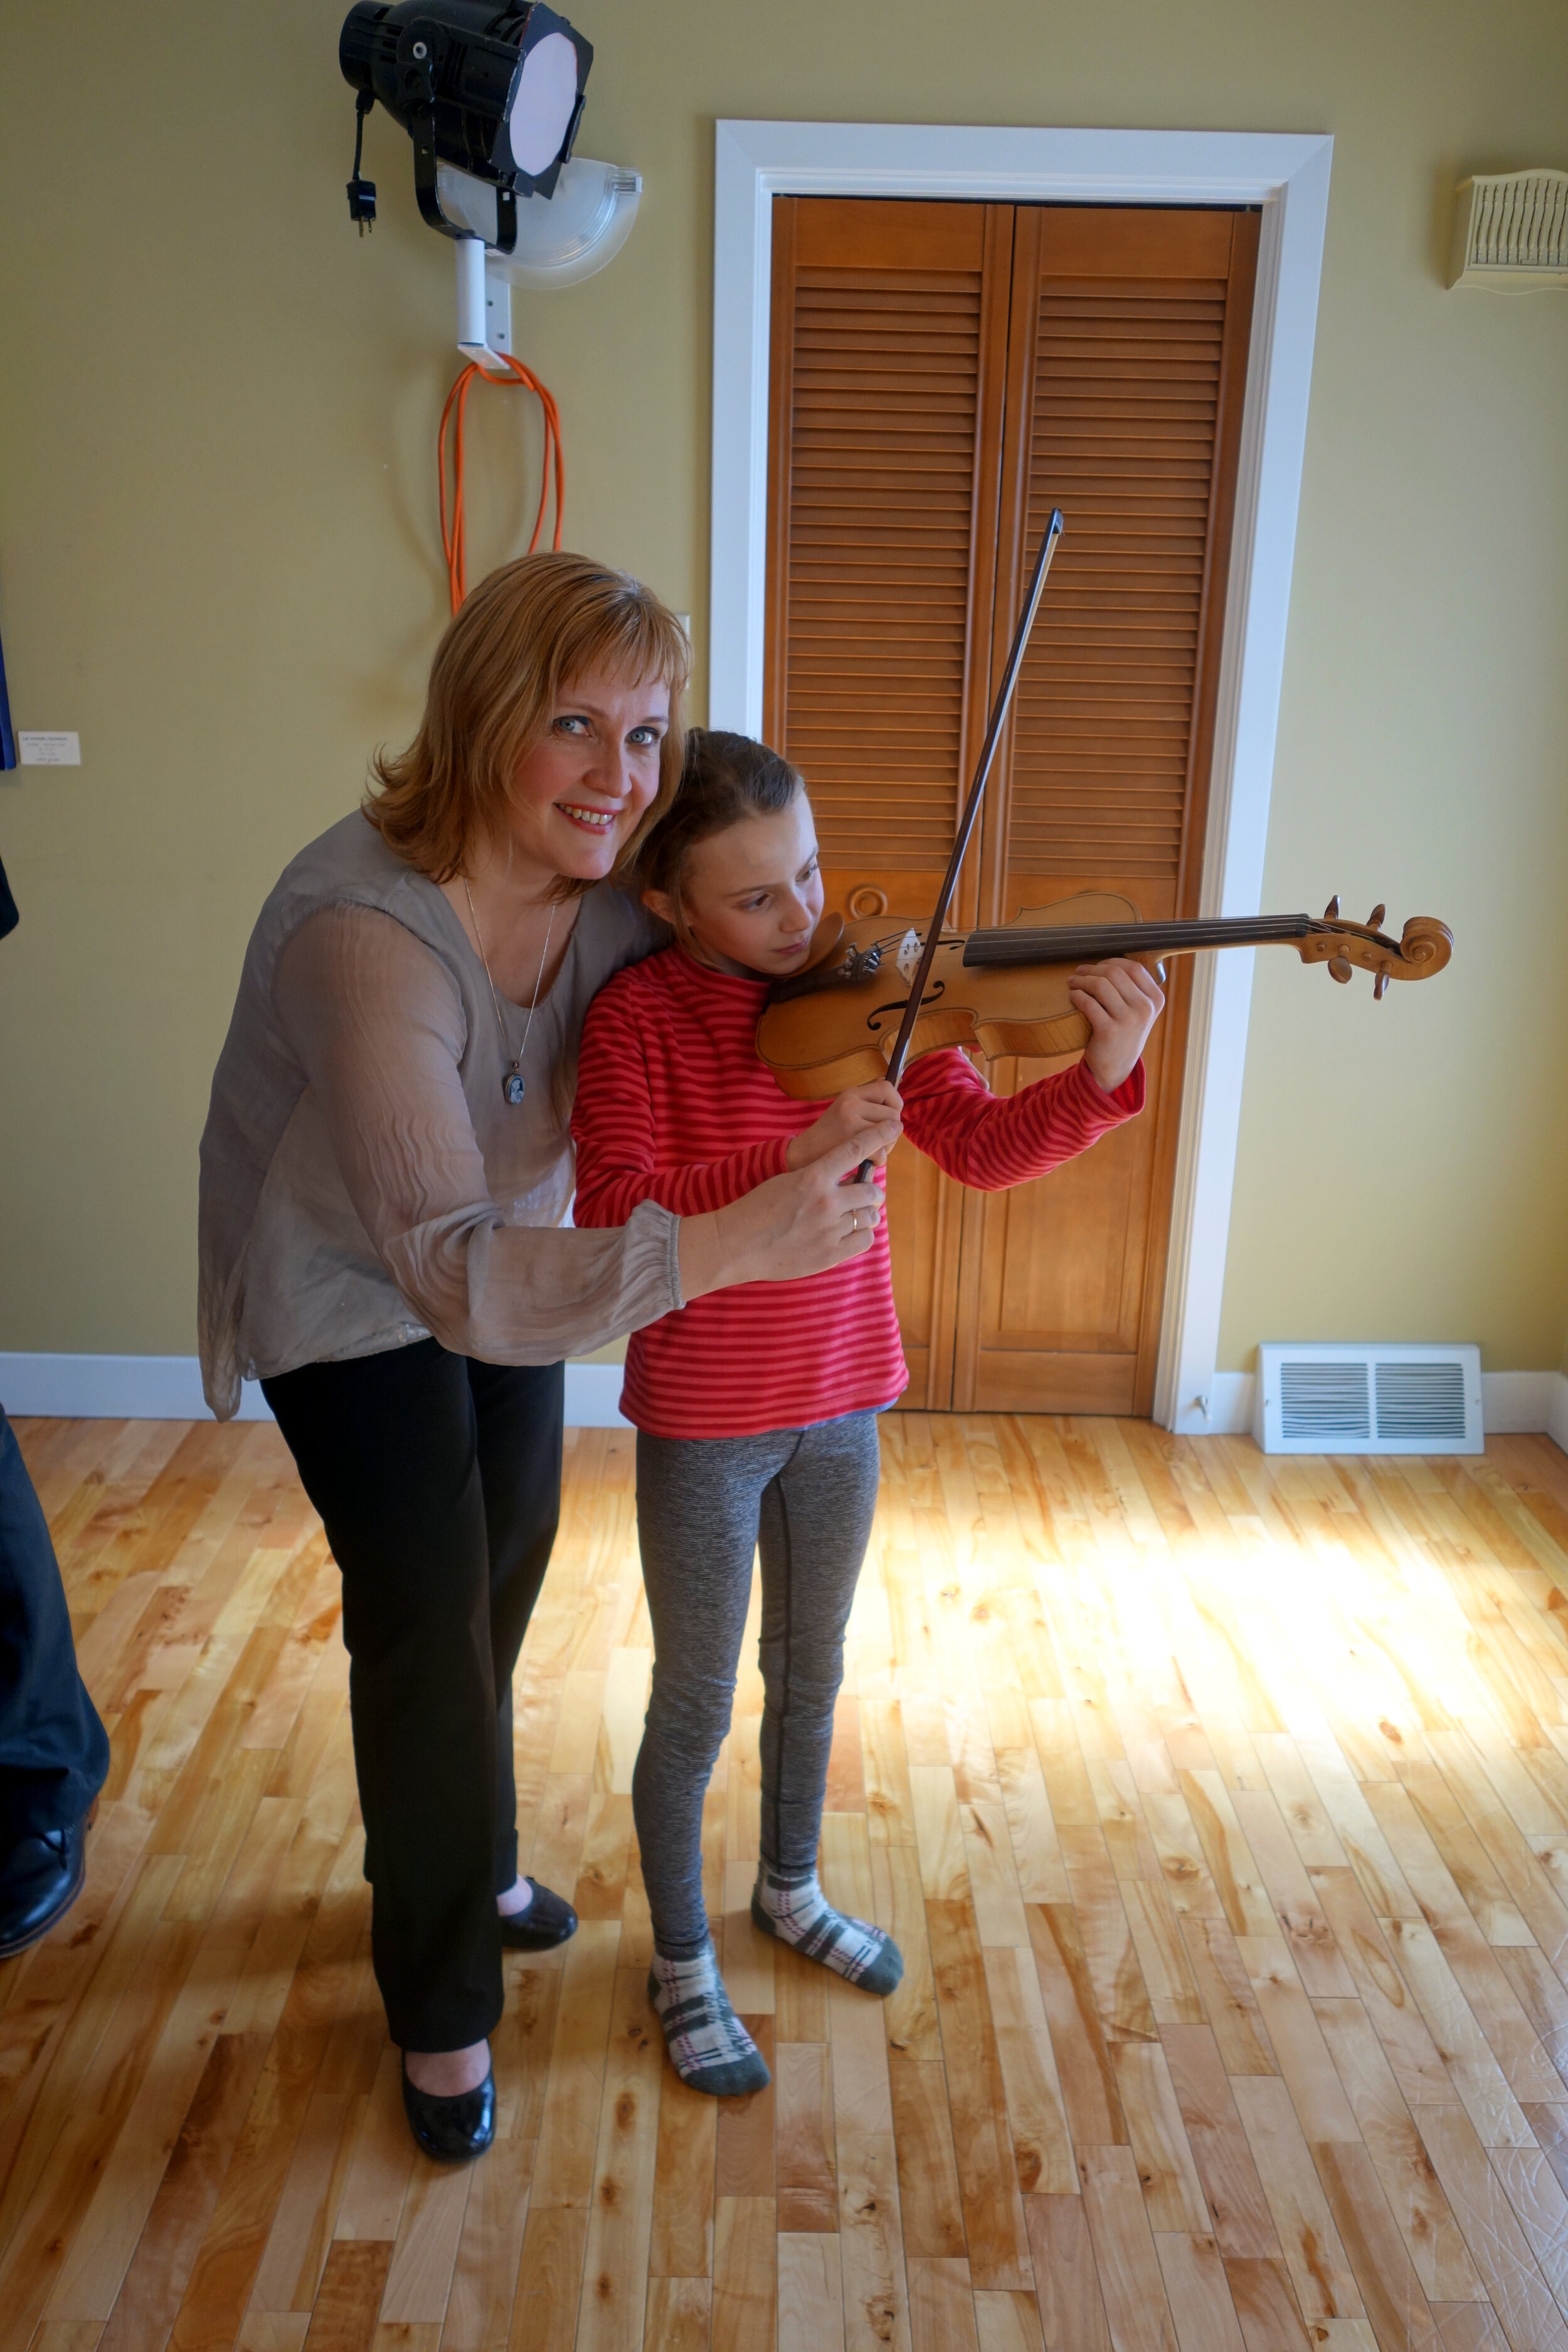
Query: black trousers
438	1482
54	1751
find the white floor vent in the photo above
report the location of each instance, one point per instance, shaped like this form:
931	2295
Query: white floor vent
1321	1398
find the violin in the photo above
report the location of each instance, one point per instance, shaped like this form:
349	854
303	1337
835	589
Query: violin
870	997
836	1023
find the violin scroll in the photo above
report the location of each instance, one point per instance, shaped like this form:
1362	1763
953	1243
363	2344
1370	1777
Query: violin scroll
1423	948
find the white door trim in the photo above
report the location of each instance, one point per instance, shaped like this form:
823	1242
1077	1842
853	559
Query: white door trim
1288	175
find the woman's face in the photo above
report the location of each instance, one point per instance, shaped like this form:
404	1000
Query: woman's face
578	795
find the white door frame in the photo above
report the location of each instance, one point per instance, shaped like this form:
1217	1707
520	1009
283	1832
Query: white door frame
1287	175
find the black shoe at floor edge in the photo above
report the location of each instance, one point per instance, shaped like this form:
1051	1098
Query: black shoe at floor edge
451	2130
40	1879
548	1920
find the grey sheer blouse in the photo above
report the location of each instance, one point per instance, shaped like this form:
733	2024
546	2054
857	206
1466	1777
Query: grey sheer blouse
364	1183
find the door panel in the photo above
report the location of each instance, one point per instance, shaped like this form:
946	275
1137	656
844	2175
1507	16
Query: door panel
887	363
1126	369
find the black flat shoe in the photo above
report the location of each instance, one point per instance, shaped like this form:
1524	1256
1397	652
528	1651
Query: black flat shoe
40	1879
548	1920
451	2130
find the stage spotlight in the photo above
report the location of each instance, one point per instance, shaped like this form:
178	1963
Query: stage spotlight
496	92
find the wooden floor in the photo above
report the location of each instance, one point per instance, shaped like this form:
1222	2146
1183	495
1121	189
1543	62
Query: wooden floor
1220	1806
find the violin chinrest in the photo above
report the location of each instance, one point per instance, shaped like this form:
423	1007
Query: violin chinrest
824	940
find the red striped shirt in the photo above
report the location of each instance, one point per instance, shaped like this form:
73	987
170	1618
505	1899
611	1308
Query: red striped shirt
674	1105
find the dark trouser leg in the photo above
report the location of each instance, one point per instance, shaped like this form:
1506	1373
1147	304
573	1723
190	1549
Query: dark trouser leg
407	1455
816	1522
54	1751
697	1525
521	1478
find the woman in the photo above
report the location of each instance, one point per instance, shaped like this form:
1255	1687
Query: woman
385	1168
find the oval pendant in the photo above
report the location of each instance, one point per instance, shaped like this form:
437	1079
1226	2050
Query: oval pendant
512	1087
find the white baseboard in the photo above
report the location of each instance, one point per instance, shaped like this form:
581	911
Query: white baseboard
169	1388
1557	1411
1511	1403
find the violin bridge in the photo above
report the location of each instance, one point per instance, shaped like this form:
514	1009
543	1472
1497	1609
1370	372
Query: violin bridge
910	948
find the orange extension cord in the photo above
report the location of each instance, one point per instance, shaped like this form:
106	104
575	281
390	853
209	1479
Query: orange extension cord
458	398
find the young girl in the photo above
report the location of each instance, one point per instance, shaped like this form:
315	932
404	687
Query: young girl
756	1407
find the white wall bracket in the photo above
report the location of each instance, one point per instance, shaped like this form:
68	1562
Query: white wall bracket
484	307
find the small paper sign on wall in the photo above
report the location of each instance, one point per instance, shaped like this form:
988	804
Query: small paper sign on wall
47	748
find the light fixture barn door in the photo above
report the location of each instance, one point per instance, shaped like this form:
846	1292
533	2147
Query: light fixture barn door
888	366
1126	369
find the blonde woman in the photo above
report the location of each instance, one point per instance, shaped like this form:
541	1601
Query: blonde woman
385	1169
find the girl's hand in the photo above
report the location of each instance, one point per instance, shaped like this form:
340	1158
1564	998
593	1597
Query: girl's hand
849	1119
795	1225
1121	1003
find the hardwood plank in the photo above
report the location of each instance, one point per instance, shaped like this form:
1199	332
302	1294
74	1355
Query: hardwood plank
875	2302
616	2260
987	2176
941	2308
1090	2096
1265	2305
681	2240
1501	2253
810	2293
1067	2279
429	2231
1008	2323
548	2279
1237	2208
1199	2293
1136	2309
930	2205
1396	2307
1042	2144
745	2266
484	2277
1166	2173
1319	2272
679	2314
807	2180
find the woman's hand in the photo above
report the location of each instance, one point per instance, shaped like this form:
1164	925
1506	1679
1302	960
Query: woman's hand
795	1225
847	1119
1121	1003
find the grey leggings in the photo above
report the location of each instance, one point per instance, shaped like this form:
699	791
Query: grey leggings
805	1498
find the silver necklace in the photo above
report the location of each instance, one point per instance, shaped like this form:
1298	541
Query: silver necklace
512	1085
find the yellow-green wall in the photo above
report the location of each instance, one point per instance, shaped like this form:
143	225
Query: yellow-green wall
219	560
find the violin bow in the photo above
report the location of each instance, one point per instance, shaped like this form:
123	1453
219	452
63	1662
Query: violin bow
999	710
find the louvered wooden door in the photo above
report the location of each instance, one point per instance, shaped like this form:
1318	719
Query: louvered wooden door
942	375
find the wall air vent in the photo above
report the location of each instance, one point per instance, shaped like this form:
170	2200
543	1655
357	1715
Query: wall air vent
1511	232
1321	1398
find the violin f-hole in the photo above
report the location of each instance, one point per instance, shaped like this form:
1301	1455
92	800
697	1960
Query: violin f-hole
938	988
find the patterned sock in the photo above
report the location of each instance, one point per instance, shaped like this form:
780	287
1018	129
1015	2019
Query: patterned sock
708	2046
797	1911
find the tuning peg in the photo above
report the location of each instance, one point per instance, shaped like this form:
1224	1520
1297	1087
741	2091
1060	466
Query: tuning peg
1374	919
1339	967
1378	986
1331	911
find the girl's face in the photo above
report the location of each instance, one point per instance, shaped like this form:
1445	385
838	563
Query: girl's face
753	895
578	796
